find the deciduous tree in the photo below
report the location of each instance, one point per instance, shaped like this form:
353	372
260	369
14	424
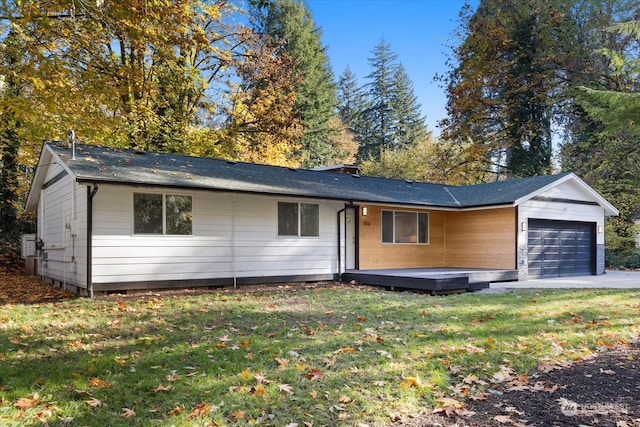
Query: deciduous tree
502	82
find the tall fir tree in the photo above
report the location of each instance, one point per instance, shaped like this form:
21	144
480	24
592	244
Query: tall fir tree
408	123
352	105
290	22
380	88
390	117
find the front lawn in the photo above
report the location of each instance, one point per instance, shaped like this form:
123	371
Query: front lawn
333	355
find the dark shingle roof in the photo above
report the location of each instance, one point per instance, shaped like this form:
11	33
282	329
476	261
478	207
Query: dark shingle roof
101	164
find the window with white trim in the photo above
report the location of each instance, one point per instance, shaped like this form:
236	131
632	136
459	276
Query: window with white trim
167	214
298	219
405	227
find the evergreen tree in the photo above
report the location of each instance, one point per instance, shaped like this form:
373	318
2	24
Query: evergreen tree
380	88
352	105
389	118
408	123
350	98
10	122
291	22
605	151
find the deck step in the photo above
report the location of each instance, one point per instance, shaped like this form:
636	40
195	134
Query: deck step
477	286
439	285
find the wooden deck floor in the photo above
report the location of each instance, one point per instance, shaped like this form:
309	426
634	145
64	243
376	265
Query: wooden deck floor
433	280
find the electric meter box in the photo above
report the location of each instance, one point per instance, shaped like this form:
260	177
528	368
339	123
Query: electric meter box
28	248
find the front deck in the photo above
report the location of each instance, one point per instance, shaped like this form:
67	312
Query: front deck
432	280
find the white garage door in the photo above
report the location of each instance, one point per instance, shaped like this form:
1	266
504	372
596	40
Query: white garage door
561	248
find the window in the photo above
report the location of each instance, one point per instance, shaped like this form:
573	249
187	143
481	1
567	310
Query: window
405	227
162	214
298	219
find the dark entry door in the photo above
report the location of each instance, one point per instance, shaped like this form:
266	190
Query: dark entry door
561	248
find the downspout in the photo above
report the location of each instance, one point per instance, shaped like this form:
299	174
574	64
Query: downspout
91	192
233	241
339	240
356	232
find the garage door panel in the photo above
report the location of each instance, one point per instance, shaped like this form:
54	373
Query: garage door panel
560	248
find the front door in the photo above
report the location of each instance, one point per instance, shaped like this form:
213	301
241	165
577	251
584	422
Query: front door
350	238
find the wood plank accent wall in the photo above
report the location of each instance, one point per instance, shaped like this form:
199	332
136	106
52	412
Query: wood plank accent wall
375	254
468	239
481	239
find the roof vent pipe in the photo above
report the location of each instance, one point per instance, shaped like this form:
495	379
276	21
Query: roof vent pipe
72	136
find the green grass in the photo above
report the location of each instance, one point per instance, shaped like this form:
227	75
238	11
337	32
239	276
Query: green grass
326	356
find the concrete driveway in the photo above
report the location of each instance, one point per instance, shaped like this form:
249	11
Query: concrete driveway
614	279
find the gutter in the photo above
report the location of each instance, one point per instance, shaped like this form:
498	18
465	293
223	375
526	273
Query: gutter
91	192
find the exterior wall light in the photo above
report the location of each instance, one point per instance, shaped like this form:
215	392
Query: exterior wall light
524	226
365	211
600	229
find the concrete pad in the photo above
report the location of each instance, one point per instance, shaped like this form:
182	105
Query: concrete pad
614	279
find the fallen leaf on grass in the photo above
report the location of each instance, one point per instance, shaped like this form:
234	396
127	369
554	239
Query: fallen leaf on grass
161	388
95	382
314	374
201	410
175	411
344	399
409	382
47	412
282	363
25	403
173	377
128	413
258	390
237	415
503	375
449	407
93	402
346	350
286	388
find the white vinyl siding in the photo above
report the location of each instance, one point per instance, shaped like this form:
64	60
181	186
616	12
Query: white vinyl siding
555	205
62	229
233	235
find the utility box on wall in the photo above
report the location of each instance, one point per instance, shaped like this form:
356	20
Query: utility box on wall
28	250
28	247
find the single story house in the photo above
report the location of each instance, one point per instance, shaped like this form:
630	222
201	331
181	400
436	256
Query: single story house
114	220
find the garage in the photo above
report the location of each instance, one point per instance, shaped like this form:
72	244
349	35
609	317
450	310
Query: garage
561	248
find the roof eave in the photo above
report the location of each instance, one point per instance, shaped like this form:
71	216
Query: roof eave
103	180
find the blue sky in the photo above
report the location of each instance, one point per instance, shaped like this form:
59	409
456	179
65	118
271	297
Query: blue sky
419	31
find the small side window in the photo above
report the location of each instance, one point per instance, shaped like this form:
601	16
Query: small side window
179	216
147	216
287	219
298	219
162	214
